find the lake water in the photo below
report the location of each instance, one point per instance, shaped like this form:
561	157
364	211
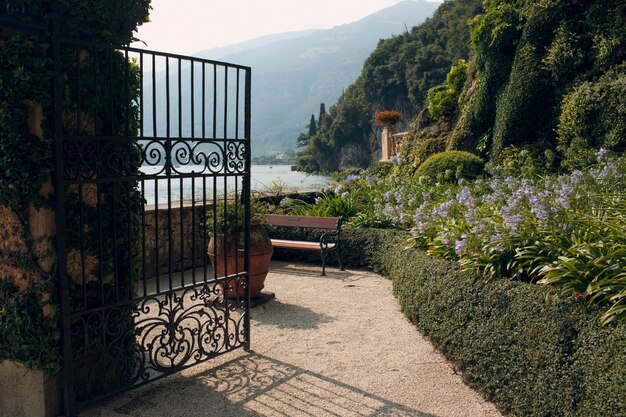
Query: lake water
263	178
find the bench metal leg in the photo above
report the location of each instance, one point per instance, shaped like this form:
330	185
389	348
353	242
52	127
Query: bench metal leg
323	263
340	264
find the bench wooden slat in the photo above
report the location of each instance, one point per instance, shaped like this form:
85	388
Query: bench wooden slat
302	221
298	244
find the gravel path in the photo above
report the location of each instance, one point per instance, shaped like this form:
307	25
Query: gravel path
334	346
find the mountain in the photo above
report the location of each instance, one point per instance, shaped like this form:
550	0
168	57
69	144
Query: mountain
292	73
225	51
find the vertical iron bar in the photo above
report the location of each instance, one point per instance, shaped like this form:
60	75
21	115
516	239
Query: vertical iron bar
193	229
225	245
77	63
246	196
100	267
180	136
81	215
143	238
215	258
203	100
214	101
237	107
236	202
142	130
126	94
168	172
128	184
205	229
157	266
100	245
169	232
167	99
59	213
154	98
131	263
111	103
143	183
226	272
95	91
192	116
225	104
182	236
193	179
180	101
116	277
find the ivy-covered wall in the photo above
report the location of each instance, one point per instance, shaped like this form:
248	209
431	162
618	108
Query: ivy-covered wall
29	330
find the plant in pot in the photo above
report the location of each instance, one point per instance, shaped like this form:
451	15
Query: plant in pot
387	118
226	247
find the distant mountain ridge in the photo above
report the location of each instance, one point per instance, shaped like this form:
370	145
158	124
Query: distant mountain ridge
292	73
224	51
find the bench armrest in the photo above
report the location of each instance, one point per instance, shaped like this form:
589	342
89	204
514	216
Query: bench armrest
327	238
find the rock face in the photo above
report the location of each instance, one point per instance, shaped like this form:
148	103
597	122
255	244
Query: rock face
355	156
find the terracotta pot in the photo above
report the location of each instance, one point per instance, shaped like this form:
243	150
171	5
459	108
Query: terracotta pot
260	255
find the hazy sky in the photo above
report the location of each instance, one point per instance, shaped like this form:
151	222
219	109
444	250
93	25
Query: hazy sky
187	26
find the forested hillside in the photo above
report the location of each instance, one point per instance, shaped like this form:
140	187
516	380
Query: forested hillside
396	75
545	78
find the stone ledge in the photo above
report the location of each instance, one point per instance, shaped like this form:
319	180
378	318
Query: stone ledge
28	393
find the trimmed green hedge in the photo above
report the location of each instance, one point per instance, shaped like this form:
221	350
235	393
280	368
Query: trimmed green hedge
527	349
451	165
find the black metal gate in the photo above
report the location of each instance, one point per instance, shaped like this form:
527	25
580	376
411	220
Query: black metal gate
152	150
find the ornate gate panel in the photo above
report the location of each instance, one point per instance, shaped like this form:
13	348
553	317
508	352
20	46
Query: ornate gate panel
151	148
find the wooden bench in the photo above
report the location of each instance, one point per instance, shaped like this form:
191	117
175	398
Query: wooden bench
329	242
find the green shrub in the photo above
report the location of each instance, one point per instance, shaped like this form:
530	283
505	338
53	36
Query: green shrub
526	161
451	165
328	205
530	350
593	116
425	148
443	99
441	102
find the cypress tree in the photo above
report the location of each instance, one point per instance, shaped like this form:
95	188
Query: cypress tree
312	126
322	116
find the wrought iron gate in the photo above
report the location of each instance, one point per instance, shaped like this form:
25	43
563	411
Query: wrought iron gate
150	148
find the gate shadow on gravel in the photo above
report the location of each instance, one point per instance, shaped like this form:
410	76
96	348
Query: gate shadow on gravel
289	316
258	385
311	270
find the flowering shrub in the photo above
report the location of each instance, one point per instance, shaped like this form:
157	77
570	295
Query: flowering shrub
563	230
567	230
387	117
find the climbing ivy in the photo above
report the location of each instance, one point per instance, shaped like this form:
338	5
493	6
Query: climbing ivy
28	320
24	78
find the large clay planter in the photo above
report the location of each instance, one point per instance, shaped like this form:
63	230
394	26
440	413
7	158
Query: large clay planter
260	255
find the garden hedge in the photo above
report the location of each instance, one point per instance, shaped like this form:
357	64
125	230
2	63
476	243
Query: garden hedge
451	165
526	348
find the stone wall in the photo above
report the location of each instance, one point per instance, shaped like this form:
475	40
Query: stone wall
186	252
26	392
